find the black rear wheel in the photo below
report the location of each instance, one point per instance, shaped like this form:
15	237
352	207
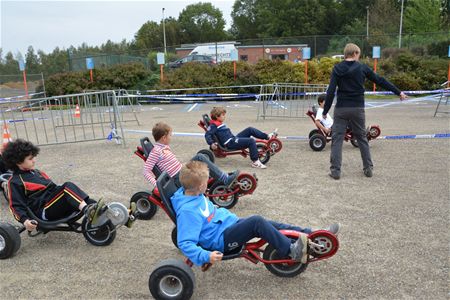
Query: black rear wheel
284	269
145	208
172	279
98	236
317	142
264	153
9	240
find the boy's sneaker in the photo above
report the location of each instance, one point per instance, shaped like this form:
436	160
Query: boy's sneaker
368	172
333	228
299	249
273	134
258	164
93	211
231	180
132	215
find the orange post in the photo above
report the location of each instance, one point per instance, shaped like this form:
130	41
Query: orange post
375	70
448	76
25	82
6	135
92	77
306	71
161	70
234	68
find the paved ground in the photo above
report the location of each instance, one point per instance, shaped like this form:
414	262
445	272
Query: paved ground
394	239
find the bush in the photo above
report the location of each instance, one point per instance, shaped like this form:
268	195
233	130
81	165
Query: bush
126	76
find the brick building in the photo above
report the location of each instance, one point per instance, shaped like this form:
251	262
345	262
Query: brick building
253	53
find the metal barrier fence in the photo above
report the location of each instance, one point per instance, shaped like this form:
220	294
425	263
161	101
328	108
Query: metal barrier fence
69	118
443	100
286	100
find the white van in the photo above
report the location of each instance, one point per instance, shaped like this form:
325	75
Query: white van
223	51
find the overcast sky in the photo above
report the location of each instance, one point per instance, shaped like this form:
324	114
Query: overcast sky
49	24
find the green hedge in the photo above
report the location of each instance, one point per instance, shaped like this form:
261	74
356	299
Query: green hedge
402	68
126	76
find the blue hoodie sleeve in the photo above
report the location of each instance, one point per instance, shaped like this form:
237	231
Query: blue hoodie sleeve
189	226
330	92
209	134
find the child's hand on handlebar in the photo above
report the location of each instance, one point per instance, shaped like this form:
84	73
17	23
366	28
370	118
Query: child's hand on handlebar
214	146
30	225
215	256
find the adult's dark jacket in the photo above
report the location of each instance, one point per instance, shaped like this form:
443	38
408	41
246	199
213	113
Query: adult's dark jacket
31	188
349	78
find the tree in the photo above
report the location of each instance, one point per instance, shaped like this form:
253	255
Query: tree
32	61
201	22
422	16
149	36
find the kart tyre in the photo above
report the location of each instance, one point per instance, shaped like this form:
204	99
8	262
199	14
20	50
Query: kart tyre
354	142
145	208
328	241
313	132
174	236
274	145
209	154
264	153
172	279
373	132
247	184
282	270
9	240
101	236
226	202
317	142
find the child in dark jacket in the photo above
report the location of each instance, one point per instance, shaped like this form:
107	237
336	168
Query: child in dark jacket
205	232
242	140
29	187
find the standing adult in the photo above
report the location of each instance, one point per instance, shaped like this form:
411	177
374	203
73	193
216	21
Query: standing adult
349	77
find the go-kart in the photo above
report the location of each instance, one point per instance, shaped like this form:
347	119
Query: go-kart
147	202
318	138
102	233
174	279
266	148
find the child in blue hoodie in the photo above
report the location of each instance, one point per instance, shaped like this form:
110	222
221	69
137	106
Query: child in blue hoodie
205	232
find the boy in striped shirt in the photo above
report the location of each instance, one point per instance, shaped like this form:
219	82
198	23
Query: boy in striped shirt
163	157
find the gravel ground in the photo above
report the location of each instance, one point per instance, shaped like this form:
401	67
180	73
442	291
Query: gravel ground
395	226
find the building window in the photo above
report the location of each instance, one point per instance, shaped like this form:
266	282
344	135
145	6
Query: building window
278	56
244	57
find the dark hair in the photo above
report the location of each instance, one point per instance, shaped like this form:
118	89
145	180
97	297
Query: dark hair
321	98
15	153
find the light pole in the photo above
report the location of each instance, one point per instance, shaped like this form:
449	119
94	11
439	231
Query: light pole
367	31
401	24
164	33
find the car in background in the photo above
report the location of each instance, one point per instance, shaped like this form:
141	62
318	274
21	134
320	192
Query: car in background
204	59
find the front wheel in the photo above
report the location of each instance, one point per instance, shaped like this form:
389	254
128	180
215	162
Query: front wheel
145	208
98	236
9	240
285	269
317	142
222	201
247	184
263	153
172	279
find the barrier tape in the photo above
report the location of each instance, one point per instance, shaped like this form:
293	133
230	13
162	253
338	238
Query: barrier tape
387	137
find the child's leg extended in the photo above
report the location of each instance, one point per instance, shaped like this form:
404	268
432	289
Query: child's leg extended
214	171
255	227
67	199
251	131
281	226
243	143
